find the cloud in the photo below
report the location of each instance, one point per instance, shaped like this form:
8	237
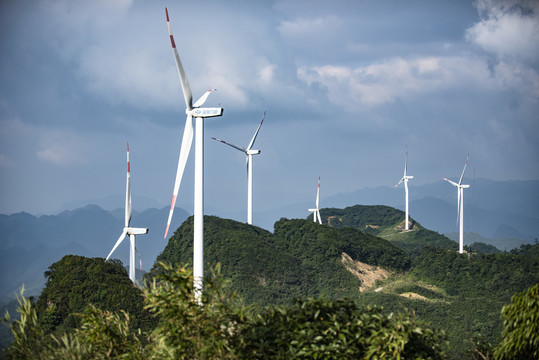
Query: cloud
508	28
58	153
397	78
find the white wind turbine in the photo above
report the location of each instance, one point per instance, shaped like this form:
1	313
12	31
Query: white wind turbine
405	179
316	211
249	152
460	205
192	110
128	230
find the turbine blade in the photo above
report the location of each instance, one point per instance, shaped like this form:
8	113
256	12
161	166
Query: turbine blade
240	148
451	182
406	161
400	181
139	258
120	239
188	96
319	217
203	98
463	170
318	194
256	132
187	140
128	208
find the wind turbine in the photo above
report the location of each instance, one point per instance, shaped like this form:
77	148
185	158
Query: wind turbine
460	205
316	211
128	230
249	152
192	110
405	179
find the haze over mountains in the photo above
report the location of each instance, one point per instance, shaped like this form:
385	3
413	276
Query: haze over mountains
29	244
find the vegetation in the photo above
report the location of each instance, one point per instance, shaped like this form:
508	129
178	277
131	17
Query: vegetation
76	281
221	329
520	336
297	298
387	223
300	259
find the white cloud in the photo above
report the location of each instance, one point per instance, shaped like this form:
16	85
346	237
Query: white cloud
386	81
507	28
305	27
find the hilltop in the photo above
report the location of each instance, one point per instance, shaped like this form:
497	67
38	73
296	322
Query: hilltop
300	259
387	223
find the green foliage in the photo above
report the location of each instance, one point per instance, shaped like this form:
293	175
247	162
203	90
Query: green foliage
27	333
477	274
386	222
527	250
76	281
482	247
301	258
322	329
188	329
369	218
520	336
221	328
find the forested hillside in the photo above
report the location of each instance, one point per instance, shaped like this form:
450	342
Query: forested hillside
300	259
76	281
387	223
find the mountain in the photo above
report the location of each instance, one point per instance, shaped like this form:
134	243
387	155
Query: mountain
300	259
460	293
29	244
388	223
494	209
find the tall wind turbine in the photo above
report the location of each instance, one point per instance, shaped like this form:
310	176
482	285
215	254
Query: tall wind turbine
405	179
316	211
192	110
249	152
460	205
131	231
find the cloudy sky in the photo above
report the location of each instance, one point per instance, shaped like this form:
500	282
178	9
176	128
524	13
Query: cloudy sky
346	86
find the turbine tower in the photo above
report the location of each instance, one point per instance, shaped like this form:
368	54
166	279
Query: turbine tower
131	231
249	152
460	205
405	179
192	110
316	211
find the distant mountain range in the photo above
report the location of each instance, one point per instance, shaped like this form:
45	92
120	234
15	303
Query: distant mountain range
494	209
30	244
504	214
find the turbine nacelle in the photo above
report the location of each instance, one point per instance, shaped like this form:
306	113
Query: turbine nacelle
252	152
205	112
135	231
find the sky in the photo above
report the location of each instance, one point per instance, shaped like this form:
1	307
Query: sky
346	84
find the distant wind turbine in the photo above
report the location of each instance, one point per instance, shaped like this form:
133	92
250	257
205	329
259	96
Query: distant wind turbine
192	110
127	229
460	205
249	152
405	179
316	211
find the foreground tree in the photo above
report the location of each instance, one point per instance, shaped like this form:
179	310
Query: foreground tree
222	328
520	336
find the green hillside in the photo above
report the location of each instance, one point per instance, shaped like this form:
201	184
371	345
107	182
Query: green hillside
300	259
76	281
388	223
363	255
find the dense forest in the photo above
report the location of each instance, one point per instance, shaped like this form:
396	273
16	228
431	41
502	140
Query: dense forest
293	285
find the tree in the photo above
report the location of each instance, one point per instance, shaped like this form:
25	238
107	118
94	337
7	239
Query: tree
520	336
